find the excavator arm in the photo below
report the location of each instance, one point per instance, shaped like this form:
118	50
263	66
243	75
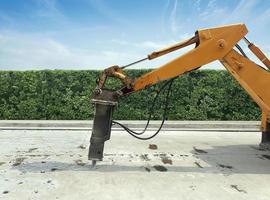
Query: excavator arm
210	45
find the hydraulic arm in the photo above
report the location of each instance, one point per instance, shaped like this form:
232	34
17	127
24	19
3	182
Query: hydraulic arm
210	45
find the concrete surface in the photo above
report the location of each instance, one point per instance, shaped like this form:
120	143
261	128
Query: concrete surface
169	125
186	165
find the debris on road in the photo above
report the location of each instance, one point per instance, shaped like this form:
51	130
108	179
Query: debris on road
153	146
199	150
19	161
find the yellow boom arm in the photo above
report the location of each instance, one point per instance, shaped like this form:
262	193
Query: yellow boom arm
211	44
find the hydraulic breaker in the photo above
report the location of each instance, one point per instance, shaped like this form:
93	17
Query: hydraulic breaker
104	101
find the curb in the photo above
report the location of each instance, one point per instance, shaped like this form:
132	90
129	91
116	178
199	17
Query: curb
82	125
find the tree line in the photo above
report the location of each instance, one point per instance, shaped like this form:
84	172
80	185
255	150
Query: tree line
66	95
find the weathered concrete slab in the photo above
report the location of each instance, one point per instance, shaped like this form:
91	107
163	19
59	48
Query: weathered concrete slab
185	165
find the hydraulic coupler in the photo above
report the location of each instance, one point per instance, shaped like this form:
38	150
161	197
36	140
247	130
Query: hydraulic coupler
104	101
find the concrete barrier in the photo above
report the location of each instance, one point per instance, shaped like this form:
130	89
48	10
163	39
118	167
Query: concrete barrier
137	125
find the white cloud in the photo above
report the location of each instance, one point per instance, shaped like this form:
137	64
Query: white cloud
5	18
197	4
49	10
20	52
242	11
149	45
29	51
56	49
211	4
173	18
212	13
104	9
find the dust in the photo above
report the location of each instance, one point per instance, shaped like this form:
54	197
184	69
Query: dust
166	160
80	162
159	154
39	155
153	146
183	155
18	161
31	150
192	187
82	146
144	157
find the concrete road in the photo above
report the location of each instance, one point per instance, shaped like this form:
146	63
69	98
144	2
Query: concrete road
36	164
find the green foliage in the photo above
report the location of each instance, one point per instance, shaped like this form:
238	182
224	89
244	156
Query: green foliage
56	95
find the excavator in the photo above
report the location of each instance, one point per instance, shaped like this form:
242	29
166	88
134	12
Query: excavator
220	43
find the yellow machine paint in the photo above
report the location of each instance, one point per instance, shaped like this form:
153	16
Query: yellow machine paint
210	45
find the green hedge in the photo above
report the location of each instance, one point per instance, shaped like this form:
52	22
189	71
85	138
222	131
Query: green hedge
57	95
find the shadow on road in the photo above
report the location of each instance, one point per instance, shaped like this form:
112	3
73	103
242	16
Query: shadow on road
232	159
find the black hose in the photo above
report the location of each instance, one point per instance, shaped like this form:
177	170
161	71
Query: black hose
135	134
241	50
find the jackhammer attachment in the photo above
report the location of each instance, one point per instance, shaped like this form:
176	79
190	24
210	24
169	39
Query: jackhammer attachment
104	101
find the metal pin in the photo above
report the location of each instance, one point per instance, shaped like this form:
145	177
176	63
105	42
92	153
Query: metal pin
94	162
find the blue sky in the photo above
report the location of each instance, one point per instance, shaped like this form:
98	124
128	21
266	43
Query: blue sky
94	34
